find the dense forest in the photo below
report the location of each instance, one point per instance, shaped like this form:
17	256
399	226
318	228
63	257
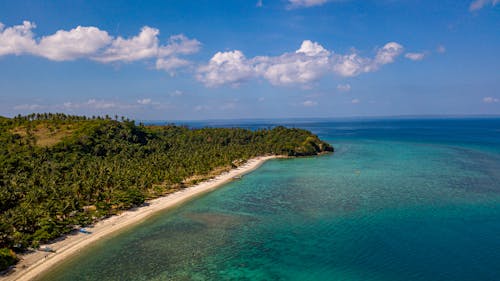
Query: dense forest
58	172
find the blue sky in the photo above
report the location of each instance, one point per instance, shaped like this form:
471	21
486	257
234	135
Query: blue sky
186	60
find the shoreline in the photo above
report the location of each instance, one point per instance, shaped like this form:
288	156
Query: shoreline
34	264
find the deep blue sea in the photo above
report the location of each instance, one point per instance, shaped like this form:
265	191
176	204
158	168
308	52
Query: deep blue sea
400	199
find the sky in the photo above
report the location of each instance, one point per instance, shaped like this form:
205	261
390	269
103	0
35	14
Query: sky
235	59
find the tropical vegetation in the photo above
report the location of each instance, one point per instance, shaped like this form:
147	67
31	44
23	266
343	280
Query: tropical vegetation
59	172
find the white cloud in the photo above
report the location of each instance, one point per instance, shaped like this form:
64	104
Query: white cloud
309	103
171	63
225	68
312	49
479	4
387	54
100	104
259	4
441	49
146	45
142	46
75	105
144	101
17	40
344	87
179	44
350	65
307	64
70	45
305	3
355	101
353	64
92	43
490	100
415	56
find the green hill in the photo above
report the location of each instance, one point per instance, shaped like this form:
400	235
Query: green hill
59	171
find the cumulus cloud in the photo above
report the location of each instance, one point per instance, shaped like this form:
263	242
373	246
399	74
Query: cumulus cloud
479	4
146	45
305	3
179	44
307	64
17	40
226	68
490	100
441	49
350	65
353	64
388	53
355	101
415	56
77	43
142	46
312	49
344	87
92	43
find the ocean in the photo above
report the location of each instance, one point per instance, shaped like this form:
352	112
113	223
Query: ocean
400	199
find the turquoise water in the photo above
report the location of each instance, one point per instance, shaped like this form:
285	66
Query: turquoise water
399	200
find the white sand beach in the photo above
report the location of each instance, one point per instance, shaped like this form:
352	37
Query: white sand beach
38	262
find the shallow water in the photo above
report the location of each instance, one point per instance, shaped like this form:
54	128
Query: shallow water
399	200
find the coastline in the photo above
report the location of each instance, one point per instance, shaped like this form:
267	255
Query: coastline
34	264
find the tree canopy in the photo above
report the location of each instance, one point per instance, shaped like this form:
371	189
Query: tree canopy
60	171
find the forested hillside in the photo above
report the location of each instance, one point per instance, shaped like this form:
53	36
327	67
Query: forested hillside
58	172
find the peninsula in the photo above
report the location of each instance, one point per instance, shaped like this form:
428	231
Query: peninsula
61	173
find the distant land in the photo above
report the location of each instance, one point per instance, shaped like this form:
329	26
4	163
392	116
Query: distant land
301	120
61	172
